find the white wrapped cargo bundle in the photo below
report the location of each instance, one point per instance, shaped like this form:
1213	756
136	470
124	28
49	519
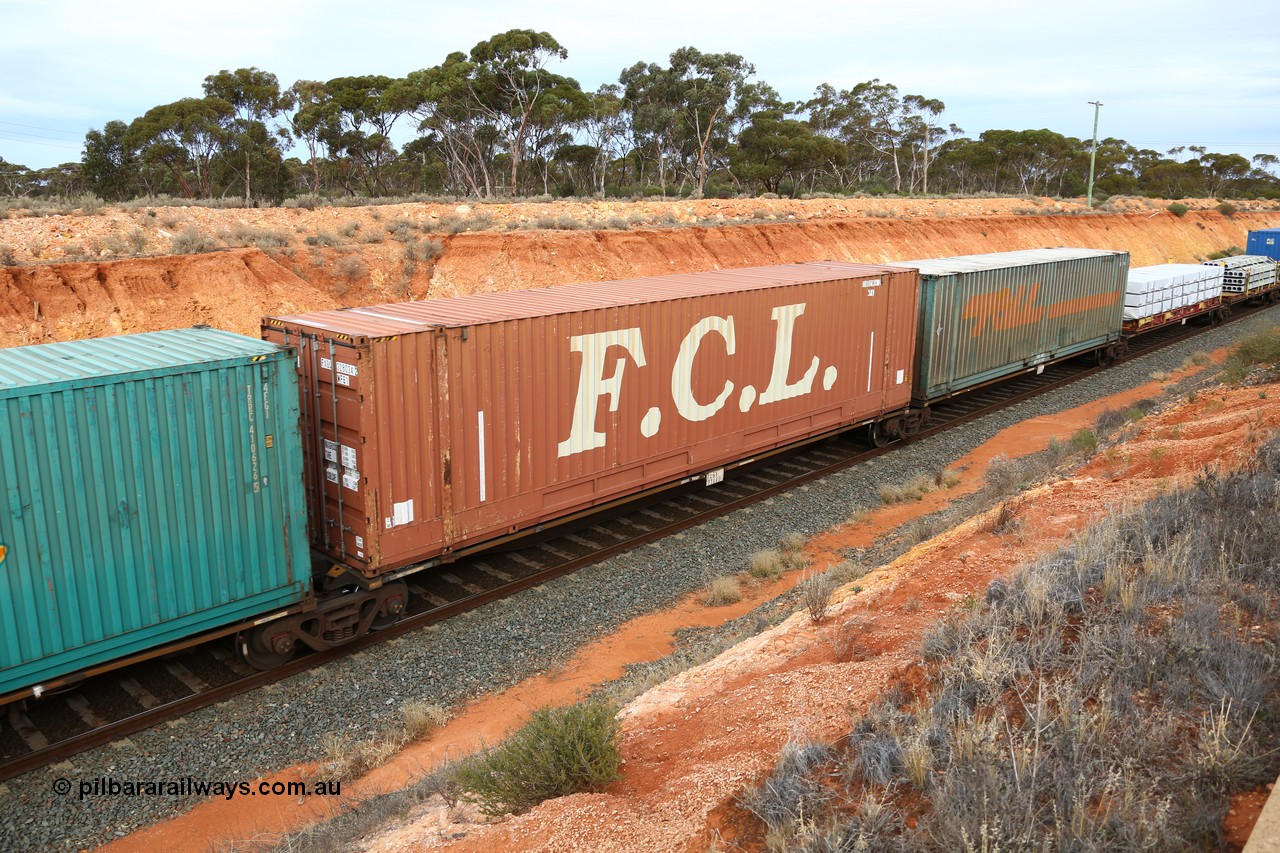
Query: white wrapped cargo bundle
1246	273
1162	288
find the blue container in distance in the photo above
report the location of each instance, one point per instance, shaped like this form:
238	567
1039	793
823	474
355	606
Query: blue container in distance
1265	242
152	491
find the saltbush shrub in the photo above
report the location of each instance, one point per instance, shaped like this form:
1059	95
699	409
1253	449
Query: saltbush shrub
560	751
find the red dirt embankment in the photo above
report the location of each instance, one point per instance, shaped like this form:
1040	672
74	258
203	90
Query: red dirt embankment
232	289
514	260
228	290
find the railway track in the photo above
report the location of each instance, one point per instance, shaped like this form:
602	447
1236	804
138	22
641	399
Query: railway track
143	695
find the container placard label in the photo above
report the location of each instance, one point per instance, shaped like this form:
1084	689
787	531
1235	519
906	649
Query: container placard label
330	451
401	513
351	480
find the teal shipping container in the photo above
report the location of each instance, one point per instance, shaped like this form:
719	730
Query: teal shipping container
152	491
985	317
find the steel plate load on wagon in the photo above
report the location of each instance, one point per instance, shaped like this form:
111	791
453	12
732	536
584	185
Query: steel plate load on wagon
433	426
1170	293
153	491
1265	242
1246	276
985	317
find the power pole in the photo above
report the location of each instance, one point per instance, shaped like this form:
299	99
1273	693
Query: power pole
1093	153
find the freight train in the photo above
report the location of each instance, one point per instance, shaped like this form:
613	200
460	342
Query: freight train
167	488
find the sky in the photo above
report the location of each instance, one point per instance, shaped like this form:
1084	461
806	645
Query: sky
1173	73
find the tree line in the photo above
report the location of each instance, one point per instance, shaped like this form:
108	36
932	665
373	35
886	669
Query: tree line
501	121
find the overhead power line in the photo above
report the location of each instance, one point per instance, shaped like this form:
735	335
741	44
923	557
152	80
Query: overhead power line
44	144
34	127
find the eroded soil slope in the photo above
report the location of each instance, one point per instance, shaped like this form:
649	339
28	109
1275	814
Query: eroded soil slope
229	290
295	259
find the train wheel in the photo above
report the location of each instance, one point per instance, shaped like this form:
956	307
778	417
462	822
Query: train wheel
393	599
266	646
877	435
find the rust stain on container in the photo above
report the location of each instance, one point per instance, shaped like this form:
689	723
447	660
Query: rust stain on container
431	426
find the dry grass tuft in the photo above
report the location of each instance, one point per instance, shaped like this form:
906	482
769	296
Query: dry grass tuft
722	591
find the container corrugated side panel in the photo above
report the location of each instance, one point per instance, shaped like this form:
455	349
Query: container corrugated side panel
980	325
468	432
148	505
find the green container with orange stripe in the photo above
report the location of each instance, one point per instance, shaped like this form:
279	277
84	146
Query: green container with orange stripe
987	317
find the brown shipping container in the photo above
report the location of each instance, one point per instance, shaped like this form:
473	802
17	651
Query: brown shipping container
460	421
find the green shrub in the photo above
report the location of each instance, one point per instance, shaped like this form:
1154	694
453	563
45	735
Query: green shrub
560	751
1084	440
353	268
262	238
1227	209
191	241
422	250
1262	348
323	238
1178	210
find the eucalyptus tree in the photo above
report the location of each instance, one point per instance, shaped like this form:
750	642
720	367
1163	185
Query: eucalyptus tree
1029	161
965	166
110	162
650	100
15	179
309	98
353	118
1222	172
922	133
552	123
492	105
516	93
182	138
605	128
256	98
708	87
443	101
772	149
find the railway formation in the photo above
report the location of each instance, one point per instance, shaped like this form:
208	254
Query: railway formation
152	691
